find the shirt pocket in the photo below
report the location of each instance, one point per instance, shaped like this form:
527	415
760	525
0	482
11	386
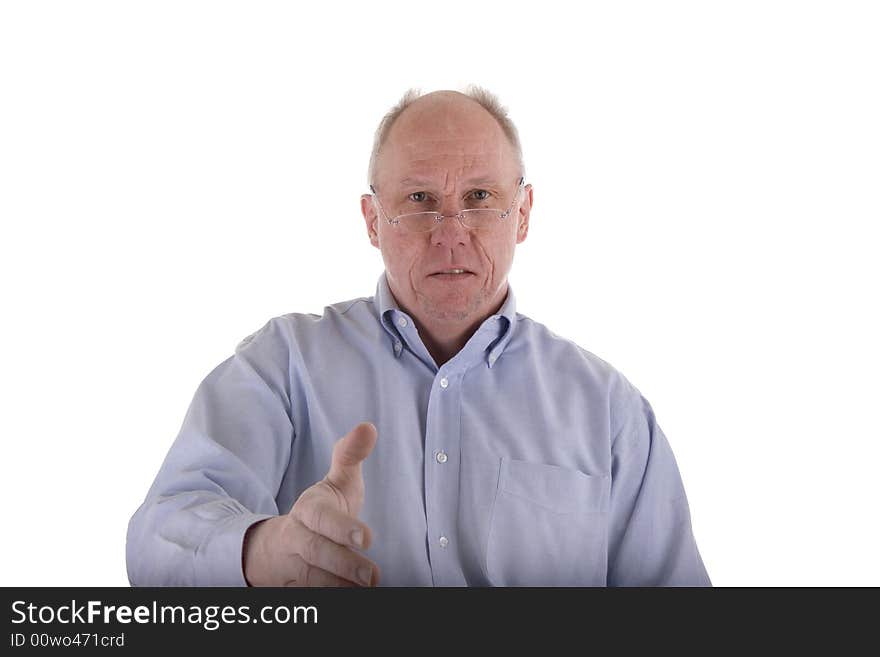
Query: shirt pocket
548	526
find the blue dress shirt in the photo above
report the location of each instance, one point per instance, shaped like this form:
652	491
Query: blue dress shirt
522	461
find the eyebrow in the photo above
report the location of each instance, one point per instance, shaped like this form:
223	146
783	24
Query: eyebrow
424	182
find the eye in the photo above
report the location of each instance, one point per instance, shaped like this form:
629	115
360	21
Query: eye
418	197
480	194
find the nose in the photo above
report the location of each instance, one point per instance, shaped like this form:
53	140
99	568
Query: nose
450	231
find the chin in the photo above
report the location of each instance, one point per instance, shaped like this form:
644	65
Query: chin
453	310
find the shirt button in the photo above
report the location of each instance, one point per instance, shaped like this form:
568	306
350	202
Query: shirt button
402	322
492	359
441	457
444	382
444	541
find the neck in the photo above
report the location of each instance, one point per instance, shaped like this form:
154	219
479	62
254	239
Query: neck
445	338
443	341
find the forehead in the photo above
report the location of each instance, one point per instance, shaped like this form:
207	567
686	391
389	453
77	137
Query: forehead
430	158
446	140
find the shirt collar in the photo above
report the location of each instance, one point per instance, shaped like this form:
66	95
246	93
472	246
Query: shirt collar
506	316
389	313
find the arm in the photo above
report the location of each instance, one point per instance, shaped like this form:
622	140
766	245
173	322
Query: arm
651	542
222	473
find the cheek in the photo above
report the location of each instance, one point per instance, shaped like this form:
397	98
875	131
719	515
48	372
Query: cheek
500	249
400	252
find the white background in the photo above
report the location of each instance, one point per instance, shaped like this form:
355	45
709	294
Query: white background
173	174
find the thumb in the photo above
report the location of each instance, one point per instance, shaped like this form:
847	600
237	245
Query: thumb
349	452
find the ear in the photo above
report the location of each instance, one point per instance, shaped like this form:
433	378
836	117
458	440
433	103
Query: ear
525	209
371	217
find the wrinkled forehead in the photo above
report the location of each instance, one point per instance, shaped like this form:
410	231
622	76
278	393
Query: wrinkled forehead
447	160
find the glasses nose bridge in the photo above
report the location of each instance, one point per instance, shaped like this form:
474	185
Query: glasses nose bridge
449	210
458	216
444	229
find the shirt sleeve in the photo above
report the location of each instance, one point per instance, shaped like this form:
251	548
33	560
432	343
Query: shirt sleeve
651	542
222	473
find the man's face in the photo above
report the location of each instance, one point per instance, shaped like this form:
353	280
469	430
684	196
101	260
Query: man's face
445	153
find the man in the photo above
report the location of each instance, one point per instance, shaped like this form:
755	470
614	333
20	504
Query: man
477	448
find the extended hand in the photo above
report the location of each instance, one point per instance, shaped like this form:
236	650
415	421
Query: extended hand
315	543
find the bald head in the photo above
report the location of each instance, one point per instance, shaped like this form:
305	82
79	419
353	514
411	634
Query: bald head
446	116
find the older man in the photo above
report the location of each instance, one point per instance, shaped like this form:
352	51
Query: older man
485	450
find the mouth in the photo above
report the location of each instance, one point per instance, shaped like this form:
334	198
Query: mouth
452	274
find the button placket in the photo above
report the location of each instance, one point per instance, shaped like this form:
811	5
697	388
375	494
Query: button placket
442	475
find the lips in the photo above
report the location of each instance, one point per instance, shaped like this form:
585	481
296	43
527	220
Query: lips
452	271
452	276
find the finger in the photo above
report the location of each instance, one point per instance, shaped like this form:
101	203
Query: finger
304	574
327	520
321	552
349	452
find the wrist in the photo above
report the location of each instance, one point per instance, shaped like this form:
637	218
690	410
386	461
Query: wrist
252	553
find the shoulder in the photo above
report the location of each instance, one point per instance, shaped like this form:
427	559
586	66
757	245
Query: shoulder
628	411
631	420
577	365
538	341
283	332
